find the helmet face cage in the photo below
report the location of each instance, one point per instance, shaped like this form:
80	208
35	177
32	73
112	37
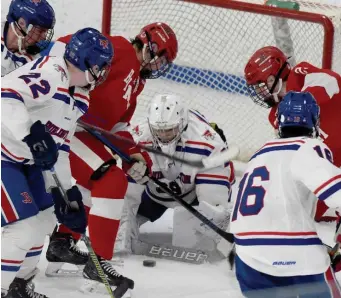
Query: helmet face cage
166	136
37	39
156	63
262	95
39	19
100	76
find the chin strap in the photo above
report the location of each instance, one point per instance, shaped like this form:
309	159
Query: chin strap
14	26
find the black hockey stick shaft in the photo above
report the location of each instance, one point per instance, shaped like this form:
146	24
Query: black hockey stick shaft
227	236
209	162
86	240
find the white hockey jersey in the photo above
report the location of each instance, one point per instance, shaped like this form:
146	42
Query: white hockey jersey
39	90
11	61
198	141
274	230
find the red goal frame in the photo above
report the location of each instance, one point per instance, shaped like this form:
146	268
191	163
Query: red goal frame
323	20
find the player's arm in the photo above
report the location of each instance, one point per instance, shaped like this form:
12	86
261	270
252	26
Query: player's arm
14	114
312	166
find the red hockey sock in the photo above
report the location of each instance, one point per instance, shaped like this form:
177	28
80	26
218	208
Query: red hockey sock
107	204
103	233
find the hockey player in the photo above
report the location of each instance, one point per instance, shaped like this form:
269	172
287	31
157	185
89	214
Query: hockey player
269	77
149	55
27	31
175	130
41	102
276	240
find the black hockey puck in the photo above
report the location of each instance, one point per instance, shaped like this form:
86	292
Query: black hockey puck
149	263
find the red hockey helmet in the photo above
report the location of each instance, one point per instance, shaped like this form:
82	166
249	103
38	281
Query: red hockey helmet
266	62
160	48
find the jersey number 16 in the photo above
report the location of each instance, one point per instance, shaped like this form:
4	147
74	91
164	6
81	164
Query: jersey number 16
257	193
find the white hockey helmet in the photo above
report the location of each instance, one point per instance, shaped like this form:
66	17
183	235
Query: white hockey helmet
167	119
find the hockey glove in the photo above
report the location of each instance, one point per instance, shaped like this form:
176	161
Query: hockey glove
74	218
140	169
42	146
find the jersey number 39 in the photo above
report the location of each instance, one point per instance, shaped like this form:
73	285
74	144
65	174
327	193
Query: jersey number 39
250	199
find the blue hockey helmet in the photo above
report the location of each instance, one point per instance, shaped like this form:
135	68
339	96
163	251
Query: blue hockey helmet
39	20
87	49
298	111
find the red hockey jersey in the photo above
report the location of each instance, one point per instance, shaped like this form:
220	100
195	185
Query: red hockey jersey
113	103
325	86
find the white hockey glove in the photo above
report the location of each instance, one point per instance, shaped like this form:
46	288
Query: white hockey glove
140	170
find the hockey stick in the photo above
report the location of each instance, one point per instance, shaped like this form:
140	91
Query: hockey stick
227	236
85	238
208	162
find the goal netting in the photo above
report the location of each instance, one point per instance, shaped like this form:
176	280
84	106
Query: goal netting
214	46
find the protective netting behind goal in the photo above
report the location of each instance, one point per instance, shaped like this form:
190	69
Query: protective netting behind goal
214	46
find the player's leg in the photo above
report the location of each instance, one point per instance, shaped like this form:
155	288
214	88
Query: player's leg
130	222
138	209
254	284
107	195
23	227
63	245
86	156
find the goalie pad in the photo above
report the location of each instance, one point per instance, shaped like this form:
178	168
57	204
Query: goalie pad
190	232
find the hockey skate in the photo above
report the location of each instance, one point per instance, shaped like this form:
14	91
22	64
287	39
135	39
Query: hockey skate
115	279
21	288
62	250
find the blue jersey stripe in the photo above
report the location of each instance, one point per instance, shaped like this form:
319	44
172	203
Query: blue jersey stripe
62	97
277	241
294	147
201	117
33	253
13	160
330	191
207	181
82	106
12	95
37	62
10	268
198	151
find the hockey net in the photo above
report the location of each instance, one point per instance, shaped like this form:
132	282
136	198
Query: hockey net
216	38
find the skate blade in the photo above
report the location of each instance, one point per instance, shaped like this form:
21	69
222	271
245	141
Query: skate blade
56	270
95	287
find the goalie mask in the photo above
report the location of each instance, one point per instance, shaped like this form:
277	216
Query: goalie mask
168	118
266	63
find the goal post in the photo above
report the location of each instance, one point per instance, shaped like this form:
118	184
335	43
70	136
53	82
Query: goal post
216	38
